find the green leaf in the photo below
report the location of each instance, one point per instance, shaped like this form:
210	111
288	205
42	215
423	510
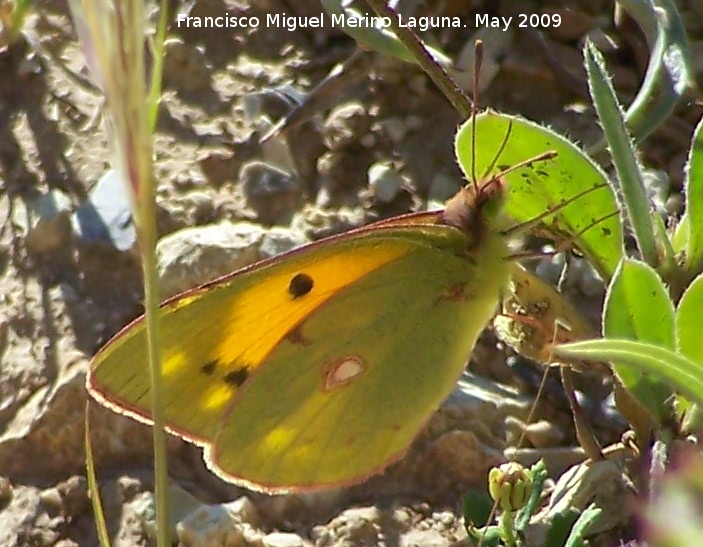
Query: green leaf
689	328
477	507
376	38
542	186
679	239
694	200
681	373
670	73
539	474
581	526
622	151
560	528
638	307
490	536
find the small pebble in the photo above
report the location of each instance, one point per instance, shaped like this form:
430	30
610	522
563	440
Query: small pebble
129	487
274	194
51	226
106	215
281	539
6	491
384	181
395	129
279	240
543	434
345	125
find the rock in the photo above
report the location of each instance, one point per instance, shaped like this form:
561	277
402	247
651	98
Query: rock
44	436
602	483
356	526
340	170
271	192
6	490
302	506
543	433
345	125
395	128
106	216
68	498
185	66
51	499
74	495
373	526
201	206
263	110
280	539
384	181
181	505
228	524
272	102
51	226
425	538
279	240
316	222
218	164
245	510
20	516
192	256
129	487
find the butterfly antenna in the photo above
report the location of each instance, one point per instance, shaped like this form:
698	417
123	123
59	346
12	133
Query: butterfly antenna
523	226
501	149
478	64
540	157
478	61
564	244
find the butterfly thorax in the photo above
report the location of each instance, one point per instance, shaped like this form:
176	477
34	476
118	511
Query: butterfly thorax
474	208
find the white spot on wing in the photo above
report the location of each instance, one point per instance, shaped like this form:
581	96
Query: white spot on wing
342	371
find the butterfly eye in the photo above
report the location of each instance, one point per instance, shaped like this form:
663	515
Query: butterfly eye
300	285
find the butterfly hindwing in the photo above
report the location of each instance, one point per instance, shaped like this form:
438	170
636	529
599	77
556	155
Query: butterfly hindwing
364	371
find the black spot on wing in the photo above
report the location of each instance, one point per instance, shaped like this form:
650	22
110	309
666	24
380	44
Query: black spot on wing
300	285
237	377
209	367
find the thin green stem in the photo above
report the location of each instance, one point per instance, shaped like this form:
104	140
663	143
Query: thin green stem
506	524
151	304
439	76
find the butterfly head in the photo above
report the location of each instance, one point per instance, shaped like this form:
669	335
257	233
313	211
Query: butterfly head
475	206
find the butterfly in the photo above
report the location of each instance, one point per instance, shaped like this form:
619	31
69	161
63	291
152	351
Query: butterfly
317	368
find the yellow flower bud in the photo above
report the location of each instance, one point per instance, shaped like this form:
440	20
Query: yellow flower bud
510	485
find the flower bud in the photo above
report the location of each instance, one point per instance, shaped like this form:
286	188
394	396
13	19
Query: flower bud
510	485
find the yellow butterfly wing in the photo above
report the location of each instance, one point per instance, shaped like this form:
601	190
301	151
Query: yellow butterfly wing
345	396
317	367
